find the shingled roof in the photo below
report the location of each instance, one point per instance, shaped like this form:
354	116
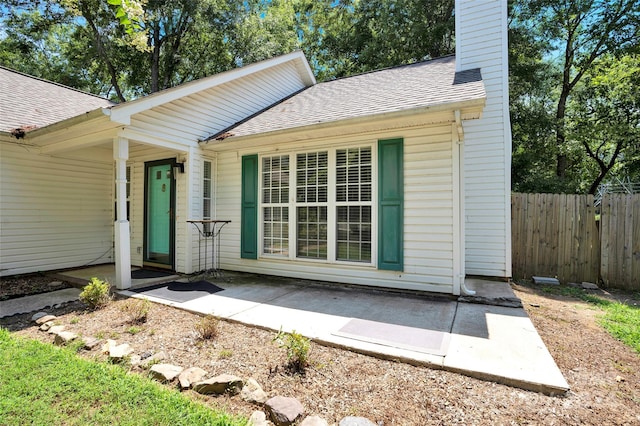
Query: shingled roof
420	85
28	103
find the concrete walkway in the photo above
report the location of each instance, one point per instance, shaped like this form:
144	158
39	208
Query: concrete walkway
488	336
490	342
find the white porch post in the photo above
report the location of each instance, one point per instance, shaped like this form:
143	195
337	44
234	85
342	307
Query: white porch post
121	227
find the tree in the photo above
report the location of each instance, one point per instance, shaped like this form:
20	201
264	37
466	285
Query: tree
577	34
604	117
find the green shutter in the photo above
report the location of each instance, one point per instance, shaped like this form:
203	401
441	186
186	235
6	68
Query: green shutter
390	204
249	214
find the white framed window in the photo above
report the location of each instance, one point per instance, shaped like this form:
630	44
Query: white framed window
275	205
327	215
353	204
207	188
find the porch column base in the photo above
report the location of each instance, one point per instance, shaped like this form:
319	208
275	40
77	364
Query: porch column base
122	255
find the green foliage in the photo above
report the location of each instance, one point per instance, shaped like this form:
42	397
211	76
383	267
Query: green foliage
621	320
133	330
297	347
225	353
560	143
96	294
136	310
207	327
50	386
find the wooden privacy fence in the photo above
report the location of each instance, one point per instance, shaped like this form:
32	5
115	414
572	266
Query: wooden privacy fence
558	235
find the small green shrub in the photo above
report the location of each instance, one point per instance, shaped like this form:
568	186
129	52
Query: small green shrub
96	294
225	353
297	347
134	330
136	310
207	327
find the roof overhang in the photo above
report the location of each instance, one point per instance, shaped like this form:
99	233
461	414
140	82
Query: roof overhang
442	113
122	113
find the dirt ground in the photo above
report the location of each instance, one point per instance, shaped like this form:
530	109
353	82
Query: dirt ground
604	375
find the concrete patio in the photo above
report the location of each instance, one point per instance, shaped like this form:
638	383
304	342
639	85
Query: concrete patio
481	340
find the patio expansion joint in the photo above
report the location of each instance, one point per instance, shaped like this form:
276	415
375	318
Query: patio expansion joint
261	303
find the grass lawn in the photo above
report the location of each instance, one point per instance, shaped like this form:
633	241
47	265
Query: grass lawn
621	320
41	384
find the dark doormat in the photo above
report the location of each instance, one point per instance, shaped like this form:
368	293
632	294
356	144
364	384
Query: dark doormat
179	292
397	336
140	274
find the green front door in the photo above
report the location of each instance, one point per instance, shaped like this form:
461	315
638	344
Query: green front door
159	208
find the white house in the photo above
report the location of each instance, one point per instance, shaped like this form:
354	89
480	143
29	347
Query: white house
396	178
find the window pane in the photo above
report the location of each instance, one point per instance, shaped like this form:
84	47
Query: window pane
312	177
275	179
275	190
353	233
275	231
312	235
354	170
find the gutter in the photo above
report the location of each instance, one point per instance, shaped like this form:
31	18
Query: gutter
69	122
476	103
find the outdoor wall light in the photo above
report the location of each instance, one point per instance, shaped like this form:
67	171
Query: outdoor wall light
178	168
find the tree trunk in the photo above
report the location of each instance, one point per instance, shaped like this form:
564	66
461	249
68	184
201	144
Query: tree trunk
102	51
155	58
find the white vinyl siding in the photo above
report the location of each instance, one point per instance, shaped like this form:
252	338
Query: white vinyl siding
56	212
198	116
428	211
481	42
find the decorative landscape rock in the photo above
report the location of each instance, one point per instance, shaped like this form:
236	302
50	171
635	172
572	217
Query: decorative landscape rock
55	329
45	318
90	343
38	315
190	376
283	410
589	286
356	421
64	337
165	372
119	352
252	392
46	326
224	383
258	418
153	359
106	348
134	360
314	421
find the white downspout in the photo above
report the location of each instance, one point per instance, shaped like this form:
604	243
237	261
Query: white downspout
461	215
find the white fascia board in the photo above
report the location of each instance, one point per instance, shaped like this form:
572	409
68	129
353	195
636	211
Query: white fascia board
122	113
470	110
82	141
153	139
69	122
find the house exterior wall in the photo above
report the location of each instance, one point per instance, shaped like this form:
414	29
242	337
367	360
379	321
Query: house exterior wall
185	121
54	212
429	234
172	130
481	42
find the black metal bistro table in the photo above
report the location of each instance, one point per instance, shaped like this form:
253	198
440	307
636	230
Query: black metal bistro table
209	230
